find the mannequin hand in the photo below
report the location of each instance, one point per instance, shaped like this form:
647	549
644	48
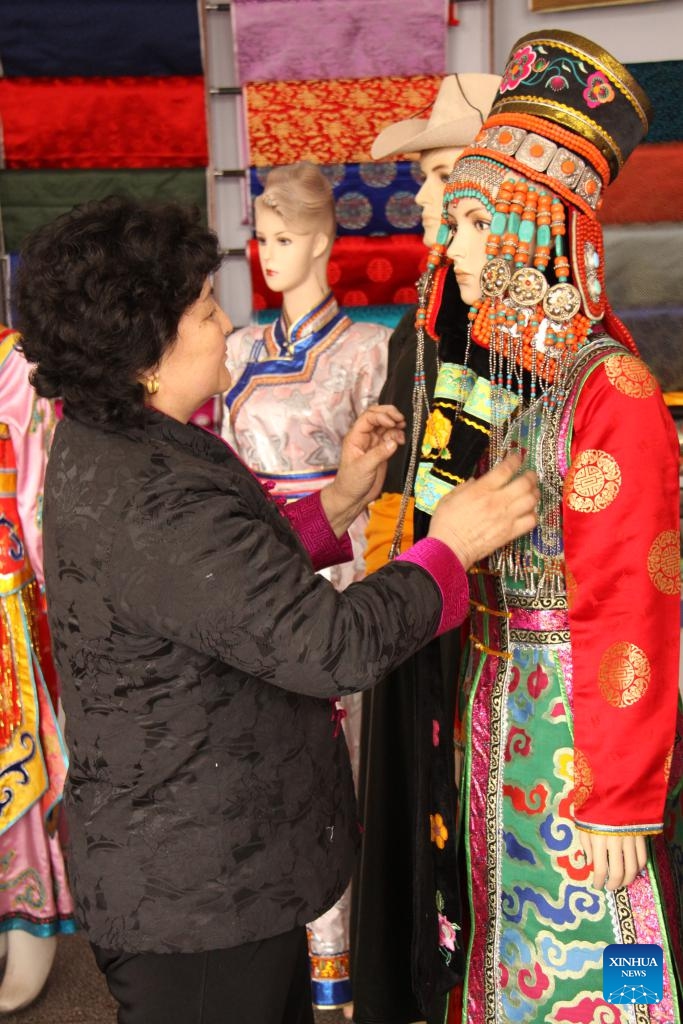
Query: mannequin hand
371	441
484	514
616	859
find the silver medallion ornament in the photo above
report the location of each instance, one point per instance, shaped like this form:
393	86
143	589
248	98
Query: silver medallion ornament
495	277
562	302
527	287
591	260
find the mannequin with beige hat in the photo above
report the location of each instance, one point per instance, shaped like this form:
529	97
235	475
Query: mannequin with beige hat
388	987
458	112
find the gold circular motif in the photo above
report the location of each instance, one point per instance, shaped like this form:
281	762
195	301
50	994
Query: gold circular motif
562	302
527	287
495	277
663	563
593	481
624	674
630	375
583	778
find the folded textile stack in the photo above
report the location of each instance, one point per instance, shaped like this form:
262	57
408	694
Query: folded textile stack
94	105
321	78
643	211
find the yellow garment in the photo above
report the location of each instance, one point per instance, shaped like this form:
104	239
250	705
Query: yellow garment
379	532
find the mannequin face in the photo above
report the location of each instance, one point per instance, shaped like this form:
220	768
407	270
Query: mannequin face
288	258
470	223
436	165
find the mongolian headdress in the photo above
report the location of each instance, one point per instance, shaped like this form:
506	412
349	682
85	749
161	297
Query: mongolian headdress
565	118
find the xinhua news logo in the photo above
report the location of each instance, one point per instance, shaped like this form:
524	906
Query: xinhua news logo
632	974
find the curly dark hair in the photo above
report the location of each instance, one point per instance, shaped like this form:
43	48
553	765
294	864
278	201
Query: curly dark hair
99	295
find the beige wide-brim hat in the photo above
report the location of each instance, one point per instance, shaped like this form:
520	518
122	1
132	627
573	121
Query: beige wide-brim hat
459	110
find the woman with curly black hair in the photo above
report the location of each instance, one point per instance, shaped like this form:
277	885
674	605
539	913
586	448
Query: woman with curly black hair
210	800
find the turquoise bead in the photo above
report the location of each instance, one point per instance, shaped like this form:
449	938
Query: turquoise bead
527	229
443	235
498	223
543	236
513	223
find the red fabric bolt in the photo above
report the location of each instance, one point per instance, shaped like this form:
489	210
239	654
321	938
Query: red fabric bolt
649	188
376	271
104	122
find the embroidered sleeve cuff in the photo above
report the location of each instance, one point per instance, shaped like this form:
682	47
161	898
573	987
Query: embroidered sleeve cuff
619	830
444	567
315	533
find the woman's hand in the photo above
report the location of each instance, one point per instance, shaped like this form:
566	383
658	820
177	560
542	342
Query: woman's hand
372	440
482	515
616	858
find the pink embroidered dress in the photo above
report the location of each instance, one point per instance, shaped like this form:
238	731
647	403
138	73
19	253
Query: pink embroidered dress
296	392
34	895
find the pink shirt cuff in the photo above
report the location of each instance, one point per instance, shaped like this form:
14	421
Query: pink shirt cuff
445	568
308	519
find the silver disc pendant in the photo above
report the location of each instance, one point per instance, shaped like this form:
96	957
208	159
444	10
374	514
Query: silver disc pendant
495	277
527	287
562	302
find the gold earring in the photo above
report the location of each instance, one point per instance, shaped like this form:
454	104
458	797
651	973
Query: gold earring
152	385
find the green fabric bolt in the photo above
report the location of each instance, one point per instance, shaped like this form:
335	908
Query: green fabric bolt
29	199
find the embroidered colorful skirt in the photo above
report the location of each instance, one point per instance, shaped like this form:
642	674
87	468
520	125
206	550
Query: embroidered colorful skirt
538	928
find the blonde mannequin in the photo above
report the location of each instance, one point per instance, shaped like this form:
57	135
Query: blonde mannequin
297	387
296	213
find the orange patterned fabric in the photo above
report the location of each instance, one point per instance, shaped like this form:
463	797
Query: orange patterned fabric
329	122
623	616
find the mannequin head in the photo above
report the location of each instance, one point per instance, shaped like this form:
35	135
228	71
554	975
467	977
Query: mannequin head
458	112
436	166
295	228
527	191
469	221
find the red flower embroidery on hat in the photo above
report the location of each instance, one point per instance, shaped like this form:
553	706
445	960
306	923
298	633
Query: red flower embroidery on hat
598	90
519	67
558	82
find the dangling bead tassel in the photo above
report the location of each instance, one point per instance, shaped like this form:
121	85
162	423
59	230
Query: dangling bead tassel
420	398
511	236
527	228
543	231
499	220
558	230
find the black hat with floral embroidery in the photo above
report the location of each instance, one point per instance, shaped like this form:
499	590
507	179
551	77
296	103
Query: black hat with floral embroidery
567	113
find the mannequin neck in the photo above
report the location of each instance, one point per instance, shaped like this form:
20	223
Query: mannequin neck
298	301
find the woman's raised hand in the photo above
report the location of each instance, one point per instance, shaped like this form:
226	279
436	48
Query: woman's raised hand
370	442
481	515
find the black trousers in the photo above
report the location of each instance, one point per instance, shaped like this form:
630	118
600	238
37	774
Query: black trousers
266	982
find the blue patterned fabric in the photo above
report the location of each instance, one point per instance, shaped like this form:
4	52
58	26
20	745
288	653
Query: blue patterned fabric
371	199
